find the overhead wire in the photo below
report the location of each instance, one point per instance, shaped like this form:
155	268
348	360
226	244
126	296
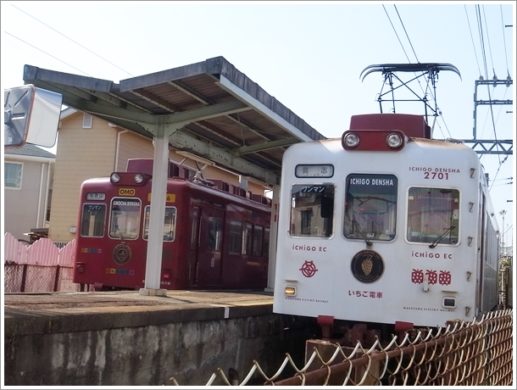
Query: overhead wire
438	112
70	39
504	42
396	34
482	31
484	57
497	172
48	54
489	44
405	31
472	39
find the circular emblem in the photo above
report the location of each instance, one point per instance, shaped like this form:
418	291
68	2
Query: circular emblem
367	266
121	253
308	269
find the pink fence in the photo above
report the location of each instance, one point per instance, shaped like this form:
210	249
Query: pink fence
40	267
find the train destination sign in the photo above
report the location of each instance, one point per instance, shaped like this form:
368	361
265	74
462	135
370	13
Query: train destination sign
373	180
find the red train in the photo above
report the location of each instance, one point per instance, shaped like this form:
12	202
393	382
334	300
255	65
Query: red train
216	235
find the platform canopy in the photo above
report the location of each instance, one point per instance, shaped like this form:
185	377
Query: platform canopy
209	109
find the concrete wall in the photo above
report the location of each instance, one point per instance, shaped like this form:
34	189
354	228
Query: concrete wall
146	355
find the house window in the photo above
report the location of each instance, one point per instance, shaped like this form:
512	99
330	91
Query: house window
13	175
87	120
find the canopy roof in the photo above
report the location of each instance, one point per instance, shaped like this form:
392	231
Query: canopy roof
214	110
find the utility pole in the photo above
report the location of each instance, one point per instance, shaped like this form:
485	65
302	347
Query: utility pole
502	213
490	146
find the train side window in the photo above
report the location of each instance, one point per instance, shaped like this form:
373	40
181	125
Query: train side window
371	207
235	238
265	249
258	238
215	234
247	239
92	220
433	215
194	229
312	210
125	218
169	223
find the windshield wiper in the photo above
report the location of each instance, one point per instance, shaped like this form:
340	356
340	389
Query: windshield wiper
435	242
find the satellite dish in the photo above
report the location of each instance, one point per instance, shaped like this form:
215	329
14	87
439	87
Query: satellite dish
31	115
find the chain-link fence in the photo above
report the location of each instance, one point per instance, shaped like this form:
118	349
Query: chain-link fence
36	278
477	353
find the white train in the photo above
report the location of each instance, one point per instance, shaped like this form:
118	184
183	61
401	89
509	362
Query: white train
385	226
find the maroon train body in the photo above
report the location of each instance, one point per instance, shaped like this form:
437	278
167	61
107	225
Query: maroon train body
216	236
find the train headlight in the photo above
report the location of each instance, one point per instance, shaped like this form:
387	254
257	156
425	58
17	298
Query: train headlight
115	177
139	178
290	291
449	302
394	140
350	140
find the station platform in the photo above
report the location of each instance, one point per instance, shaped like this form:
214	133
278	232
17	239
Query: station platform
123	338
31	313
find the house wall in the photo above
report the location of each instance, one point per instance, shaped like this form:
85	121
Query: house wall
26	207
132	145
82	153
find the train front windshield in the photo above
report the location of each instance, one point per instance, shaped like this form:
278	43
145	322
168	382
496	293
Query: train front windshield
125	218
312	210
371	206
433	215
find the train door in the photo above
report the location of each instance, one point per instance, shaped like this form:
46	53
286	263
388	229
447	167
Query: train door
193	247
206	246
481	251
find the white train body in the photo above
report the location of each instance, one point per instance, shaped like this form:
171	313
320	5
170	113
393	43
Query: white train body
384	234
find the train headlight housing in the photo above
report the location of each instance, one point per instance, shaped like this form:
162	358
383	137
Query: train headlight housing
115	177
350	140
395	140
139	178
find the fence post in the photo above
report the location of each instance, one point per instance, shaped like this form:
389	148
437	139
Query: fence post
24	278
56	280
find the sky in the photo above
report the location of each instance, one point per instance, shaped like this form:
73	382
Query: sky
308	55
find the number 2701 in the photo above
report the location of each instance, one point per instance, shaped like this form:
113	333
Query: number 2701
436	175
